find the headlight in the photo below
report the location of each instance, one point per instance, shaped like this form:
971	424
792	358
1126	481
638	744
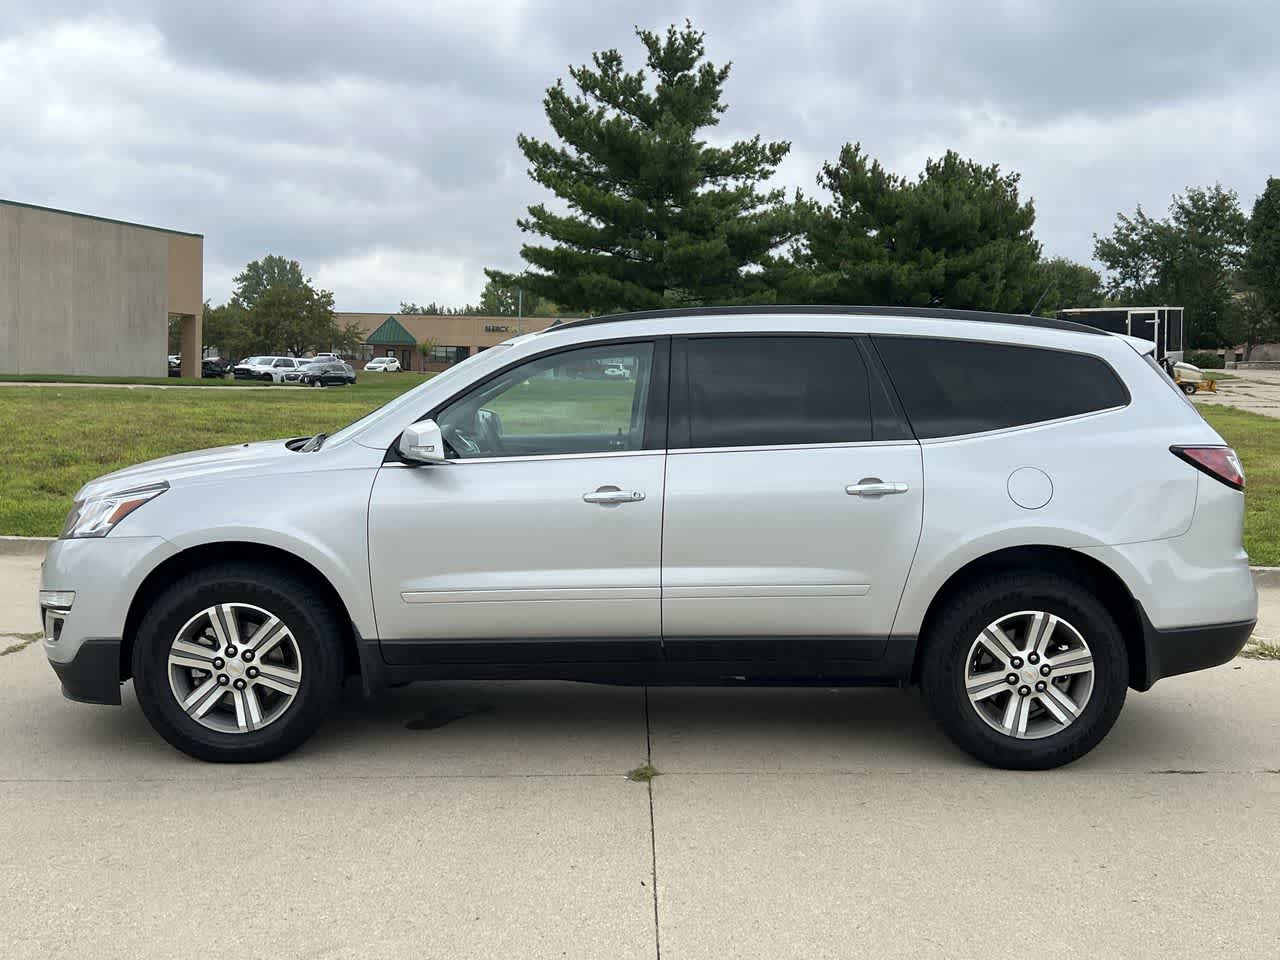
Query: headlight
97	516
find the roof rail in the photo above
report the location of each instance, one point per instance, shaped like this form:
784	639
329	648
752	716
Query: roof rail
919	313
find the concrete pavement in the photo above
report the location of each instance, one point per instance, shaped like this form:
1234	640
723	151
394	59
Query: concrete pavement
493	820
1257	391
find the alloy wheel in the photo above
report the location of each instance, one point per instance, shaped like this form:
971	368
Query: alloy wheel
1029	674
235	668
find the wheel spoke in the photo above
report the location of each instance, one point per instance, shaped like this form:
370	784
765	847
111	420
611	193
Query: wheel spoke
248	710
983	685
999	644
184	653
1063	708
225	626
1041	633
1071	662
1014	722
267	636
277	677
201	700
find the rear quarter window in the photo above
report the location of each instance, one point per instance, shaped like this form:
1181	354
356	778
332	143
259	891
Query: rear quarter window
954	387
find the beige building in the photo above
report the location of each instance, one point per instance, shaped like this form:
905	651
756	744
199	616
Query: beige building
451	338
85	295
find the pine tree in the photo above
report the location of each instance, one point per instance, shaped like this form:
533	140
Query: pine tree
955	236
655	216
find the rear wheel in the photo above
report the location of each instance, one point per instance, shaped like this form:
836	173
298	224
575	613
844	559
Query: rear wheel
1025	671
1188	388
238	663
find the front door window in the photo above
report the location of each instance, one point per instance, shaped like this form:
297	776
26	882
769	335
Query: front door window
591	400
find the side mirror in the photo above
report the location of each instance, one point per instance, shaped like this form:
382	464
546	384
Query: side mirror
422	442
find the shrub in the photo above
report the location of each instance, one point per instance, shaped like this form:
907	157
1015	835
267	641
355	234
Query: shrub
1204	359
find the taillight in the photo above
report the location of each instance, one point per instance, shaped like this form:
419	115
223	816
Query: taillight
1221	463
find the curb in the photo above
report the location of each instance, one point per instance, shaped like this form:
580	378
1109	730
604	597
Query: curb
24	546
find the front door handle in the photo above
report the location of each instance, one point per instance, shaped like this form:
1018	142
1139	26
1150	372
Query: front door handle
875	487
610	495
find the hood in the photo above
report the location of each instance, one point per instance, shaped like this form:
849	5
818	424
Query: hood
265	456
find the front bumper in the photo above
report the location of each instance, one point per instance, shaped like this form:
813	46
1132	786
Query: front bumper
94	674
104	575
1171	652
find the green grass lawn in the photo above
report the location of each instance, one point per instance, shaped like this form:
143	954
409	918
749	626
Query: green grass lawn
1257	440
53	440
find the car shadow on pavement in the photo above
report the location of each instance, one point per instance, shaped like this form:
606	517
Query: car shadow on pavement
545	727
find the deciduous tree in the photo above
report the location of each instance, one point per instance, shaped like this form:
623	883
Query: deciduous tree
1060	283
258	276
1188	259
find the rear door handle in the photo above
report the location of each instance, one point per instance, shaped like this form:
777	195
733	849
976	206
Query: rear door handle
875	487
610	495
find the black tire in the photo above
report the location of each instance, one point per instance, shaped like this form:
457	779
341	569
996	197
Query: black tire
944	665
308	614
1188	388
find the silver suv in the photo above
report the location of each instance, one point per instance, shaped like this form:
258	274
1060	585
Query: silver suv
1024	517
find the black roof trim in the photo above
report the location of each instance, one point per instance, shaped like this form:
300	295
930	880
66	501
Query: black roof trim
90	216
918	313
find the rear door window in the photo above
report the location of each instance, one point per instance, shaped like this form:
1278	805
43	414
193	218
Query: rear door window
954	387
769	391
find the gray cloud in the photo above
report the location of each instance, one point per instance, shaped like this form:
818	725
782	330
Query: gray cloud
376	141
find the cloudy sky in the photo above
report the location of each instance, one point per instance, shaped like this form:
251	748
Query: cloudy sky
375	141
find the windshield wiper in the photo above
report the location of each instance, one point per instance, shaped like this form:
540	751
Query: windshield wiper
315	443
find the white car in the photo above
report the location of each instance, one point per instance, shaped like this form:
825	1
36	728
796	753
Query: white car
383	365
266	368
1022	516
253	368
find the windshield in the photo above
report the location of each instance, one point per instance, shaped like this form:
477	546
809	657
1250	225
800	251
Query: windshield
410	397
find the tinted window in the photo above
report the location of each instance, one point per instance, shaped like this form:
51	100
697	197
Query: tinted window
558	404
764	391
953	387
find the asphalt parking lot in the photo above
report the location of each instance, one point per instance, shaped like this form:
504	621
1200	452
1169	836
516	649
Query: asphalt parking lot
495	820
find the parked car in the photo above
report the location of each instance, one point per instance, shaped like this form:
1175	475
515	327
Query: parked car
324	373
253	368
383	365
175	365
1022	516
266	368
327	356
214	368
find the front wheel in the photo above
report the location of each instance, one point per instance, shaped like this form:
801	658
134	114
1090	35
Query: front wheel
317	383
238	663
1188	388
1025	671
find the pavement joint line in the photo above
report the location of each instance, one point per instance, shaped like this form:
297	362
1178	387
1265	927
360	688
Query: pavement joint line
653	834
